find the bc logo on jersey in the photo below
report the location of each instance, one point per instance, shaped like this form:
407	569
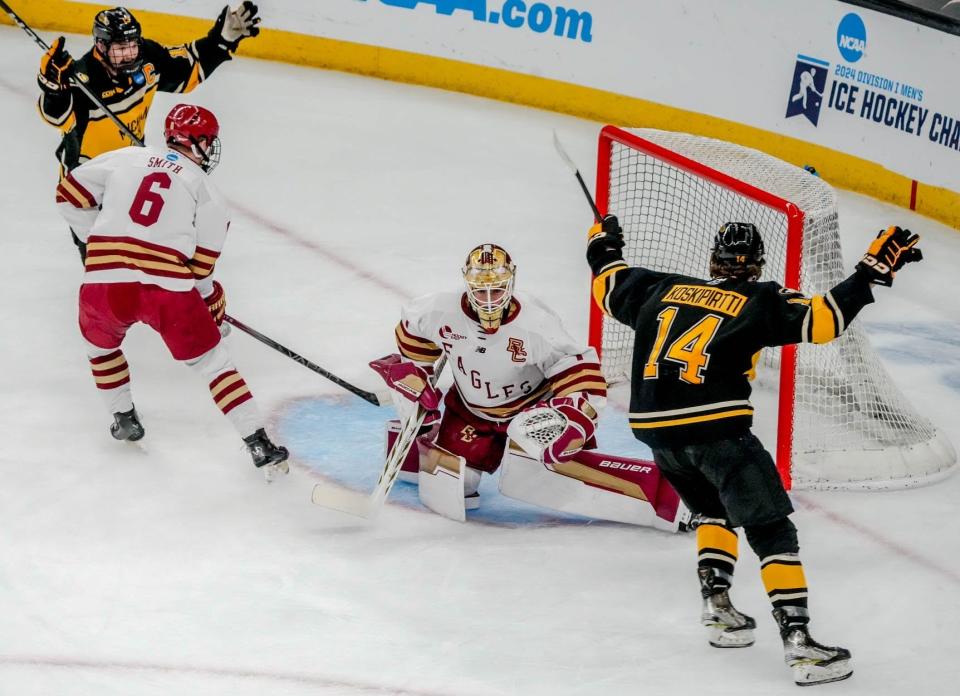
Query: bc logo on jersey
806	92
515	348
468	434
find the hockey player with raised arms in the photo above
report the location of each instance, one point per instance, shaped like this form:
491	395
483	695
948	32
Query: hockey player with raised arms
126	70
510	356
154	226
696	345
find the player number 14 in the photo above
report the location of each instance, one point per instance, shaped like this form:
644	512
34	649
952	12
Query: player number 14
689	349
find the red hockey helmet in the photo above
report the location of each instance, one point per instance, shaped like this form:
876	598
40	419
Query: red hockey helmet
196	129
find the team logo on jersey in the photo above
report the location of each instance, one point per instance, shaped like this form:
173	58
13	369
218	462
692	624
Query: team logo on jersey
468	434
447	333
515	348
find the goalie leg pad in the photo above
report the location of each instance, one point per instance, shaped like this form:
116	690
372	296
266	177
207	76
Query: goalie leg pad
443	480
601	486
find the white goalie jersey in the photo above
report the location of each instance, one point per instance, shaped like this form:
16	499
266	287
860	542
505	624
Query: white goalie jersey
529	358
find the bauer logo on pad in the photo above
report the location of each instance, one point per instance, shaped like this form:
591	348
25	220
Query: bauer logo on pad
807	90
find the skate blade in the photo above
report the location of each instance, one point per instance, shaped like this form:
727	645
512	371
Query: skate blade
721	636
811	675
343	500
271	472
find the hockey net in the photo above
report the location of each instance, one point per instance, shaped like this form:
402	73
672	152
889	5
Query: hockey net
842	424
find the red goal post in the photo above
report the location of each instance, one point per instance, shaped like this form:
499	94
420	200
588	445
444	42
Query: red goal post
671	192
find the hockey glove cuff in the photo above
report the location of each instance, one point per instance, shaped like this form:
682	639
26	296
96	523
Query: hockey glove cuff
217	303
888	253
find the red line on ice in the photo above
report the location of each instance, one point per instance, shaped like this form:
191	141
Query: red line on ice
899	549
318	248
134	666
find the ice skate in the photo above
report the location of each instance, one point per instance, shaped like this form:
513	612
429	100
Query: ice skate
812	663
726	627
126	426
266	455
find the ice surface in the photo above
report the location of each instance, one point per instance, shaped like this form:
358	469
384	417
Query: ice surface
179	571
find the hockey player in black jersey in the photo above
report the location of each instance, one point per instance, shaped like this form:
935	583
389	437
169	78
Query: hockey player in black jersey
126	71
695	349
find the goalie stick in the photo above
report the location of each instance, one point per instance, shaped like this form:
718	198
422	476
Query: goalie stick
365	395
576	172
369	506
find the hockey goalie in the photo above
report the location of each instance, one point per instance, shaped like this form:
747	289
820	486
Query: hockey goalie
525	396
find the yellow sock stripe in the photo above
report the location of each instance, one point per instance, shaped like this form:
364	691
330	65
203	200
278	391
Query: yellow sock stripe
779	578
715	537
110	364
231	395
111	379
229	381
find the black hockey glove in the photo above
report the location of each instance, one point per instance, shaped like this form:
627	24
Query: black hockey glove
56	67
606	243
236	24
887	254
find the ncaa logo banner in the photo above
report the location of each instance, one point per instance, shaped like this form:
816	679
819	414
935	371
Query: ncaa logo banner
809	84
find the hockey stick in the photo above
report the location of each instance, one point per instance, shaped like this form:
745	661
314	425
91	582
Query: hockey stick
369	506
266	340
576	172
75	82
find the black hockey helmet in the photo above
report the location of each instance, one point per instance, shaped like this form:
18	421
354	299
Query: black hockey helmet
118	26
737	252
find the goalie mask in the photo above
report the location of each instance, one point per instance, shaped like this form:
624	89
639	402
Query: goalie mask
488	274
737	252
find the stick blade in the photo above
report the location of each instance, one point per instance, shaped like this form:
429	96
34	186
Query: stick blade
343	500
562	151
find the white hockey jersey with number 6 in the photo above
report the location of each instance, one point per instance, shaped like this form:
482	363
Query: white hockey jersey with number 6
147	215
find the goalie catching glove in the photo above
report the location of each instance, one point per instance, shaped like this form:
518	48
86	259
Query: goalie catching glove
888	253
555	430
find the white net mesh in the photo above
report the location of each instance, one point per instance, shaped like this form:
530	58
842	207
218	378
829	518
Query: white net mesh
852	427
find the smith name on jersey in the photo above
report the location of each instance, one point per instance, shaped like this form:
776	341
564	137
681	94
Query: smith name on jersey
692	369
163	223
88	131
529	358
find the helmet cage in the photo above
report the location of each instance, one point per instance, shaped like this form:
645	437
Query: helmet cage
196	129
489	274
114	27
